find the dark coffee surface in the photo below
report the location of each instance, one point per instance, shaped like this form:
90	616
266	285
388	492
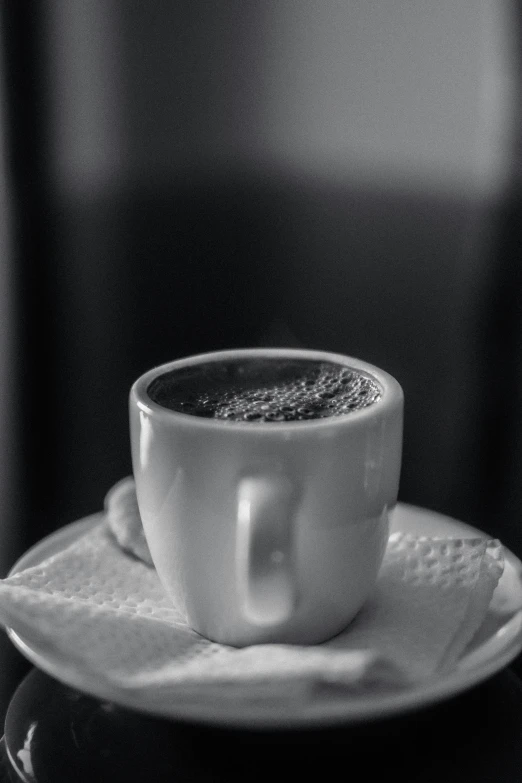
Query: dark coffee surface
265	390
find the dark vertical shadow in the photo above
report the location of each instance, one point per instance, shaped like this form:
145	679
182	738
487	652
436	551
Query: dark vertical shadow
35	360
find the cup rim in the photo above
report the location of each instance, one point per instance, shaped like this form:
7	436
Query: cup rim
392	393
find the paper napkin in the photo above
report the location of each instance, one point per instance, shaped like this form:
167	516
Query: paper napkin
99	605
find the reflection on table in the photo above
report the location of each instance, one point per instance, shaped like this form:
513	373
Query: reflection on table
54	733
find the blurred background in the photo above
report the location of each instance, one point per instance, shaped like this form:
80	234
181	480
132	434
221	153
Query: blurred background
185	176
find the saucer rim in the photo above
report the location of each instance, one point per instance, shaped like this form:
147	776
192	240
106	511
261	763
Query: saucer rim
492	655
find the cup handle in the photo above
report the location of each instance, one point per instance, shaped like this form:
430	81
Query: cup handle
265	549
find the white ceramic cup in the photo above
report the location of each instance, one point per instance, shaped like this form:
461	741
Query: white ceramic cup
267	532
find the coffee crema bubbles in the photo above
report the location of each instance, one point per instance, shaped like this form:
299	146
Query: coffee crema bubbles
263	390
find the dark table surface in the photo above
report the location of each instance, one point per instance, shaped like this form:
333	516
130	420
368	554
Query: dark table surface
54	733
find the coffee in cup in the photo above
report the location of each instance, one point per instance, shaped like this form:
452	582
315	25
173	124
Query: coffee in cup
265	390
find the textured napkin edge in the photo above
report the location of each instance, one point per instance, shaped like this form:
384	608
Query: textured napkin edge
357	673
124	520
488	577
354	671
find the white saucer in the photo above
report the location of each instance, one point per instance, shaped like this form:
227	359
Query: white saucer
496	644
